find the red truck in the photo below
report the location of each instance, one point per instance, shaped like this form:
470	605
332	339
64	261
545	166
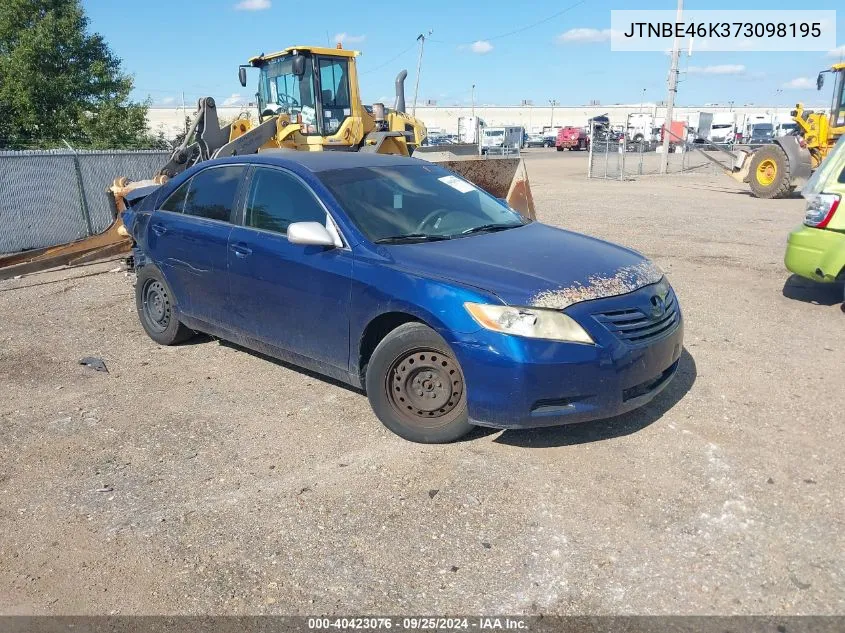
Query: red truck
572	138
677	133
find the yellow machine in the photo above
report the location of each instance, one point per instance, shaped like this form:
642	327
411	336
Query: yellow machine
775	170
308	100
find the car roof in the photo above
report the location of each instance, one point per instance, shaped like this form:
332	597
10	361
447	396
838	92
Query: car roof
324	161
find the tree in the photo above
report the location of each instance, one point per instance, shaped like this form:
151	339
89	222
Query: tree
60	83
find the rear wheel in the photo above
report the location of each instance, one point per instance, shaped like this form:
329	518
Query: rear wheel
155	303
416	387
769	173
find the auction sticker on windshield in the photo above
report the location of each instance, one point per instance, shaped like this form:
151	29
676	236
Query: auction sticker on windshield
456	183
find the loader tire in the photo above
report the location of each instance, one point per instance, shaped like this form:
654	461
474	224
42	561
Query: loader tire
769	173
157	308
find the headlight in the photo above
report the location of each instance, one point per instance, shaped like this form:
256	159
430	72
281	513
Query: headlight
528	322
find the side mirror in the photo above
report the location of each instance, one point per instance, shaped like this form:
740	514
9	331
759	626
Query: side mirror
298	65
820	81
242	76
309	234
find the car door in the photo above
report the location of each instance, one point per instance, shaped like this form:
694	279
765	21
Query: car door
188	237
290	296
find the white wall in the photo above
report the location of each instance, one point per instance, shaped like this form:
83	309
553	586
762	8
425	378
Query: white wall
532	118
171	121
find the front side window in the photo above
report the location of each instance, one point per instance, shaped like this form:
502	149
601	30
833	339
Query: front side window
277	199
212	192
334	95
417	202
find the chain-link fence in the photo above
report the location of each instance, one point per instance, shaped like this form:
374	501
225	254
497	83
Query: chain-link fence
614	157
56	196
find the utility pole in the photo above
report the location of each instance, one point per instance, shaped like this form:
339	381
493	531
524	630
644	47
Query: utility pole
553	103
473	99
642	101
421	40
185	113
673	89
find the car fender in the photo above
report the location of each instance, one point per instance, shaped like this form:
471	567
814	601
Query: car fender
379	290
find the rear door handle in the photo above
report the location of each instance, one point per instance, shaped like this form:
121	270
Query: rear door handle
159	229
240	249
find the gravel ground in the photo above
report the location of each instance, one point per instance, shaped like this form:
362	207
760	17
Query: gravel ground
207	479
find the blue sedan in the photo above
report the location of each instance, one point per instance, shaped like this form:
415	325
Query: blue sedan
397	276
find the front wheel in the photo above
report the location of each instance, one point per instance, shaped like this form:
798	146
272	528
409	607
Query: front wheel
769	173
416	386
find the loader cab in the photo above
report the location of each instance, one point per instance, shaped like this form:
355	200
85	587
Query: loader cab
312	85
837	107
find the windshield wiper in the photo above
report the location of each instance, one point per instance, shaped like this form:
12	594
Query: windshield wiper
411	237
489	228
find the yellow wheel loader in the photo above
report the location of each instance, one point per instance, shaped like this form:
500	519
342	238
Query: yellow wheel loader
774	171
308	100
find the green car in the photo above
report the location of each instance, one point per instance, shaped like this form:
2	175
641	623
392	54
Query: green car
816	250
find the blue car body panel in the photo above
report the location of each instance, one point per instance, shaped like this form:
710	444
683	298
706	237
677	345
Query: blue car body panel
312	305
518	264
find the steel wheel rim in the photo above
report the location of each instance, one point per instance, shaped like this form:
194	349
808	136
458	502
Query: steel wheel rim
156	305
766	172
424	385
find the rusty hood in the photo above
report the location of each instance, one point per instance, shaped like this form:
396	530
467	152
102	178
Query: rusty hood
534	265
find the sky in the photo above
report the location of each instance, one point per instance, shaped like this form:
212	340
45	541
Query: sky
537	50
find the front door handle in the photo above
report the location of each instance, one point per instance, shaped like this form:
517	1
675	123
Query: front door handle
240	249
159	229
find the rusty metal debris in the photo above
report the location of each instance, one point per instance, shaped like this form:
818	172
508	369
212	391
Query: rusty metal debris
623	281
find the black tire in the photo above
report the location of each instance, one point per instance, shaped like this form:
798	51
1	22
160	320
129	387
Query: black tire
780	184
410	364
559	148
156	307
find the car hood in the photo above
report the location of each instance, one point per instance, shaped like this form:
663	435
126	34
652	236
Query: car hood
534	265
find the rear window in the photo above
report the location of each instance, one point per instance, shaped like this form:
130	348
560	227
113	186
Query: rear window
212	192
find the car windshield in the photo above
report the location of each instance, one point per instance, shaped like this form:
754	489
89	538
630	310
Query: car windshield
416	201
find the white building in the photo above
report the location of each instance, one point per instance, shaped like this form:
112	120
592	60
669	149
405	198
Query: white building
171	121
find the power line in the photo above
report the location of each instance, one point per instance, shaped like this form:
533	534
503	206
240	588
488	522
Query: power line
389	61
523	28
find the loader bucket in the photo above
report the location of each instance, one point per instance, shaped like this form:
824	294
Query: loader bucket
505	178
113	241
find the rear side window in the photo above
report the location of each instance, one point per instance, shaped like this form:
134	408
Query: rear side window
176	201
276	199
212	192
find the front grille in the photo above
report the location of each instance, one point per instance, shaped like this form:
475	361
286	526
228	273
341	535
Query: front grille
638	328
